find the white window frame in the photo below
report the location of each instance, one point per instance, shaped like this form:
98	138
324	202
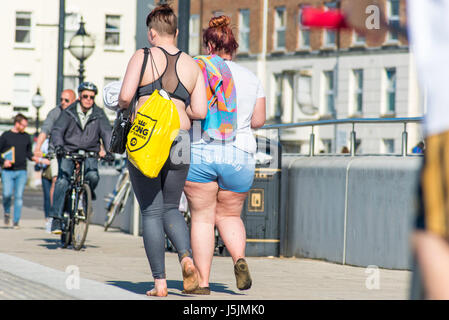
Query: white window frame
386	144
70	82
113	31
244	30
280	28
393	19
24	93
71	26
194	35
278	95
327	145
358	40
357	91
326	32
302	30
29	15
328	92
390	90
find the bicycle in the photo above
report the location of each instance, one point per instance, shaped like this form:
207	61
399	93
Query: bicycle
116	201
77	203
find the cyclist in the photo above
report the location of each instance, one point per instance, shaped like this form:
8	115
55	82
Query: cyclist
82	126
68	97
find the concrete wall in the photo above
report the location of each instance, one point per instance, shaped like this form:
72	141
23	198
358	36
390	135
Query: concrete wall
356	211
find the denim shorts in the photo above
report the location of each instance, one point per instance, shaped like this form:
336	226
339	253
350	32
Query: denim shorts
231	168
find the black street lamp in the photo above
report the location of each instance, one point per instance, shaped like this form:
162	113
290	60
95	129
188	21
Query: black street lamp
81	47
37	101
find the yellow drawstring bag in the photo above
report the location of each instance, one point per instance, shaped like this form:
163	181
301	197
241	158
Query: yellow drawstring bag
153	131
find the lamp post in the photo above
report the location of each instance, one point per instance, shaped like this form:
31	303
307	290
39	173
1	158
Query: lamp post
37	101
81	47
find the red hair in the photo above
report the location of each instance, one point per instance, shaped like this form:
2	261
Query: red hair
220	35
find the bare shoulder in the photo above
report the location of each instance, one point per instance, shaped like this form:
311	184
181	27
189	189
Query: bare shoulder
188	62
188	71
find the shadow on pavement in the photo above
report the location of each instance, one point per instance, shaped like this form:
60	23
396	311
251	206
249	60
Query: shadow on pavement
143	287
55	243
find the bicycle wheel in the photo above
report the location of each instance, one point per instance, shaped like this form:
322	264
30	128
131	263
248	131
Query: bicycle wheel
81	217
66	235
118	204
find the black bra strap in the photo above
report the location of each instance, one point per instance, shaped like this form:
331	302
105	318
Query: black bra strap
166	52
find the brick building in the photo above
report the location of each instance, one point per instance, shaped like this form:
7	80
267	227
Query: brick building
321	74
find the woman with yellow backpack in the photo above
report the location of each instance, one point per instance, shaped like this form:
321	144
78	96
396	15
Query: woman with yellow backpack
170	93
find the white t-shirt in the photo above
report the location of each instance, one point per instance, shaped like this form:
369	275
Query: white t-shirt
249	89
429	40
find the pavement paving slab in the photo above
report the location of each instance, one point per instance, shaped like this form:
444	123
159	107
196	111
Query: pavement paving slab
113	266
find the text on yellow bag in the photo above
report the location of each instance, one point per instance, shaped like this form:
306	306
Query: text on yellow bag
153	131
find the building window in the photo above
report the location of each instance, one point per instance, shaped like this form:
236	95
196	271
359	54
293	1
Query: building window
112	31
393	19
330	36
329	95
280	22
390	90
70	82
278	78
244	29
22	92
23	28
357	76
303	32
72	23
327	146
194	35
357	39
388	145
304	92
217	13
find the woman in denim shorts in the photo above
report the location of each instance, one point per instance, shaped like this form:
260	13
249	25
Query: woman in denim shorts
222	171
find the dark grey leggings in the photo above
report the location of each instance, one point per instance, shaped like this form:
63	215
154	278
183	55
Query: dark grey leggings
159	202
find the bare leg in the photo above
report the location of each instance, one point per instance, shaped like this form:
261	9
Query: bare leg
202	203
229	223
432	252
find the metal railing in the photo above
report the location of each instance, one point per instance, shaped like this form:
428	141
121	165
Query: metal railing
353	122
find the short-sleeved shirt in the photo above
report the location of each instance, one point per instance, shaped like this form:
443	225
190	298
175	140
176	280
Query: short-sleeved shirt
249	89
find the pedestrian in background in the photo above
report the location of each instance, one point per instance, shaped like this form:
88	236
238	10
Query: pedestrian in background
17	144
43	147
222	172
159	197
419	148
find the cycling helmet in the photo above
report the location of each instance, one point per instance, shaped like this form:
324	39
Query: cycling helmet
87	86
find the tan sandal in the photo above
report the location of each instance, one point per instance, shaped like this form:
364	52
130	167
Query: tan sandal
198	290
190	276
242	276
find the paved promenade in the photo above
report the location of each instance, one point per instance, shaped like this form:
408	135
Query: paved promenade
113	265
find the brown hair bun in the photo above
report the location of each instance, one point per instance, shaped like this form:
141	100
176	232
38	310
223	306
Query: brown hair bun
219	22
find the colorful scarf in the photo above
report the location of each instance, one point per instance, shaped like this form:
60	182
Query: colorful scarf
221	119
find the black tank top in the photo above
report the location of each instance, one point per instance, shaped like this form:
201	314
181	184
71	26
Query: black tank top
169	80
